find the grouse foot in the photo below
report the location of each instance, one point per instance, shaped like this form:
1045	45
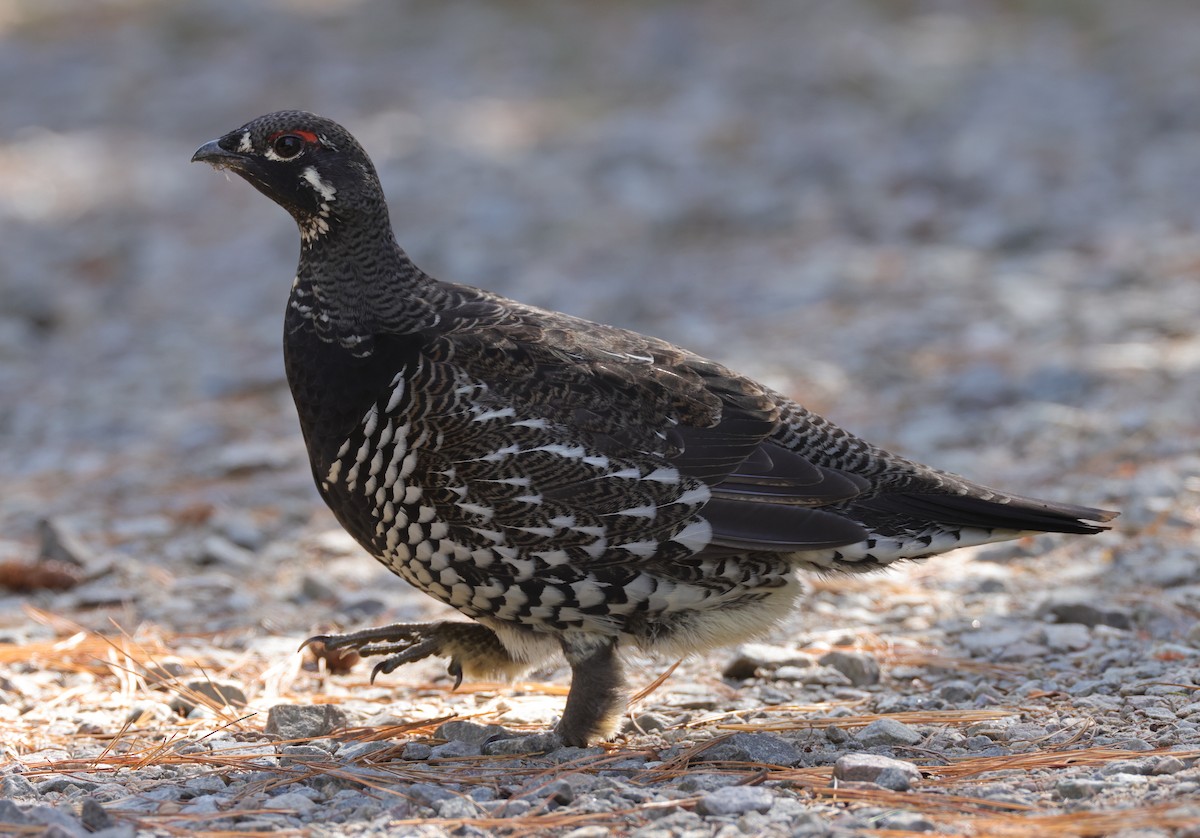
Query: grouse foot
473	649
595	700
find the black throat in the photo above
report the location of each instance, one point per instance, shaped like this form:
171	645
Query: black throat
354	318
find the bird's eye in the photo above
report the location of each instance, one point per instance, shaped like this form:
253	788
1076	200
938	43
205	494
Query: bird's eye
288	145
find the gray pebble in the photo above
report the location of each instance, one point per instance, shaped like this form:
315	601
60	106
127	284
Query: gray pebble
753	659
166	792
417	751
805	824
957	692
1128	766
59	542
303	721
460	730
559	791
837	735
15	785
514	808
1085	613
735	800
1178	567
1022	650
11	813
690	695
292	801
1125	781
428	794
548	743
240	528
353	751
458	807
56	830
249	457
101	594
454	750
302	755
205	784
93	816
317	588
755	747
1078	789
862	669
703	782
648	723
265	823
1167	765
825	676
1067	637
221	693
883	771
207	804
888	732
588	832
907	822
989	640
121	830
625	766
147	711
145	526
218	550
53	817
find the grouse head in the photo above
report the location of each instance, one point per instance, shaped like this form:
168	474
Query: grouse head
309	165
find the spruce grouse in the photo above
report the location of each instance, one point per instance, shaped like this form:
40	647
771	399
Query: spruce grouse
566	485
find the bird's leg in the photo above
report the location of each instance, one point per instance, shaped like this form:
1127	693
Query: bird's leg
473	649
596	698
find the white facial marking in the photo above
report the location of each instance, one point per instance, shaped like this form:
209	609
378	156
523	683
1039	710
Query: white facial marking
326	190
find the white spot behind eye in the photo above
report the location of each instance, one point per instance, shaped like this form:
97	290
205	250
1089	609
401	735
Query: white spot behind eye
326	190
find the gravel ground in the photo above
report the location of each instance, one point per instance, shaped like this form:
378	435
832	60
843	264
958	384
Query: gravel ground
966	230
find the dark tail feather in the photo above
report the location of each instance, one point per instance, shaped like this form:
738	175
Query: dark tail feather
1007	512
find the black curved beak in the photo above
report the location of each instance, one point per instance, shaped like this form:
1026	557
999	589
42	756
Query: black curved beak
217	157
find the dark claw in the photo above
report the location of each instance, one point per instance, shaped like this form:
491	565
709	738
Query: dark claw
401	643
316	638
